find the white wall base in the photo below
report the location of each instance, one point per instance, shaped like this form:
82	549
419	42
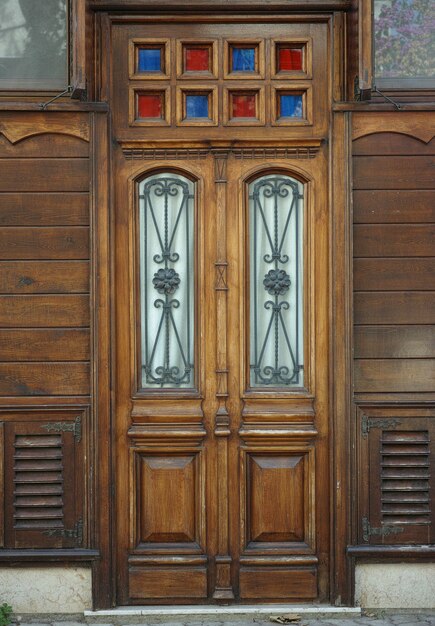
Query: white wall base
46	589
395	585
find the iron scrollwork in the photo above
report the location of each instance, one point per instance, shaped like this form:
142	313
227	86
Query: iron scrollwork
275	240
166	212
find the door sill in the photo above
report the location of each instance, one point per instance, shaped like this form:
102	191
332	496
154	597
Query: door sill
240	610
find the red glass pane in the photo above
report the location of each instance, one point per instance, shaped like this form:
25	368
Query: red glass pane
243	105
150	105
289	59
197	59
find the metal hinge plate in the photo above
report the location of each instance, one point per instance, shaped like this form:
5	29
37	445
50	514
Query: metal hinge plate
383	531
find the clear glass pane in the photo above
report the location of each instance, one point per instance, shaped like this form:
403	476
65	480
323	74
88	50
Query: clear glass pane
33	43
404	38
166	227
276	281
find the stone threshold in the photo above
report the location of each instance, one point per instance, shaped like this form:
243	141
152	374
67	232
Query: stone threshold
238	611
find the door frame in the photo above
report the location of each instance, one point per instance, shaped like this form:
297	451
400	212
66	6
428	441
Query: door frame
341	569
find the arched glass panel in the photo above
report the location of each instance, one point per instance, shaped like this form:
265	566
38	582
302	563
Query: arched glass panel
166	231
276	281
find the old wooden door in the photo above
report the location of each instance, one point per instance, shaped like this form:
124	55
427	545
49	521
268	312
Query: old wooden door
221	310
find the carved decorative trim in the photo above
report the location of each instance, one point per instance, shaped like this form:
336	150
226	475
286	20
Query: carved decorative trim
18	131
66	427
157	154
221	276
415	125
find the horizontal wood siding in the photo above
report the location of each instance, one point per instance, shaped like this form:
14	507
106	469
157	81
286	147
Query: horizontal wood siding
394	264
44	259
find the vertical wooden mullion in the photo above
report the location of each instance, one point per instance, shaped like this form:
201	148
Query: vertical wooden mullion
223	588
99	434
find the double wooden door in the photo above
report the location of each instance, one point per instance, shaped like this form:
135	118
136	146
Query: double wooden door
221	361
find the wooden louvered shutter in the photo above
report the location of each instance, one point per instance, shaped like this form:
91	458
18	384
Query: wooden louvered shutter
397	461
44	483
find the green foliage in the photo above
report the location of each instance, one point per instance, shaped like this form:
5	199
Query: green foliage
5	614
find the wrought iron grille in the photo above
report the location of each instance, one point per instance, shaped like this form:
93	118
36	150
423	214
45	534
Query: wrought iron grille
166	224
276	300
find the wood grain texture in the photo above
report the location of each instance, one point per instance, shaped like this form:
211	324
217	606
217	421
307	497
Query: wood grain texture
394	308
160	582
21	277
44	243
394	240
44	311
44	345
18	129
395	172
59	146
42	209
44	175
415	125
278	583
415	274
385	206
394	342
391	144
404	375
44	379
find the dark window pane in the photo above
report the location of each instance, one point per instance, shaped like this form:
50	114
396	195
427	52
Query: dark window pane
33	44
196	106
243	59
404	39
150	59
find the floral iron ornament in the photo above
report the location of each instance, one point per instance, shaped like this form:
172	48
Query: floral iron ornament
166	280
277	282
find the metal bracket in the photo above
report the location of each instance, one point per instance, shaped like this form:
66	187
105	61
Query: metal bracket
367	423
74	533
66	427
384	531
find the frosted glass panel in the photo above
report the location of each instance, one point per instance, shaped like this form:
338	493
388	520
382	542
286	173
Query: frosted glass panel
33	44
276	277
166	231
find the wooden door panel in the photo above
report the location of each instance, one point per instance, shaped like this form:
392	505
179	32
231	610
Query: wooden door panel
222	488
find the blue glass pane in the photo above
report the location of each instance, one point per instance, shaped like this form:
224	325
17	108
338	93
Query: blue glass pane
243	59
291	106
196	106
150	59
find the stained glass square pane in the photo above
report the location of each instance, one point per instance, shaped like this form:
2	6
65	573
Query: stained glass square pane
197	59
243	59
289	59
150	105
244	105
290	105
150	60
196	106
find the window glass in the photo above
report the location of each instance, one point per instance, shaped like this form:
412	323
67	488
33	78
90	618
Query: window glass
276	277
33	44
404	41
166	246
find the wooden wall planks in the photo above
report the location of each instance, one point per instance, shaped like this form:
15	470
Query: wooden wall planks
394	263
44	260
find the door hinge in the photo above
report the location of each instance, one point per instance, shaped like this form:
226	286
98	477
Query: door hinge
384	531
367	423
66	427
74	533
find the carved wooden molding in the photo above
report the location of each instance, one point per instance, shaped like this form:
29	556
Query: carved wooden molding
416	125
259	152
18	131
